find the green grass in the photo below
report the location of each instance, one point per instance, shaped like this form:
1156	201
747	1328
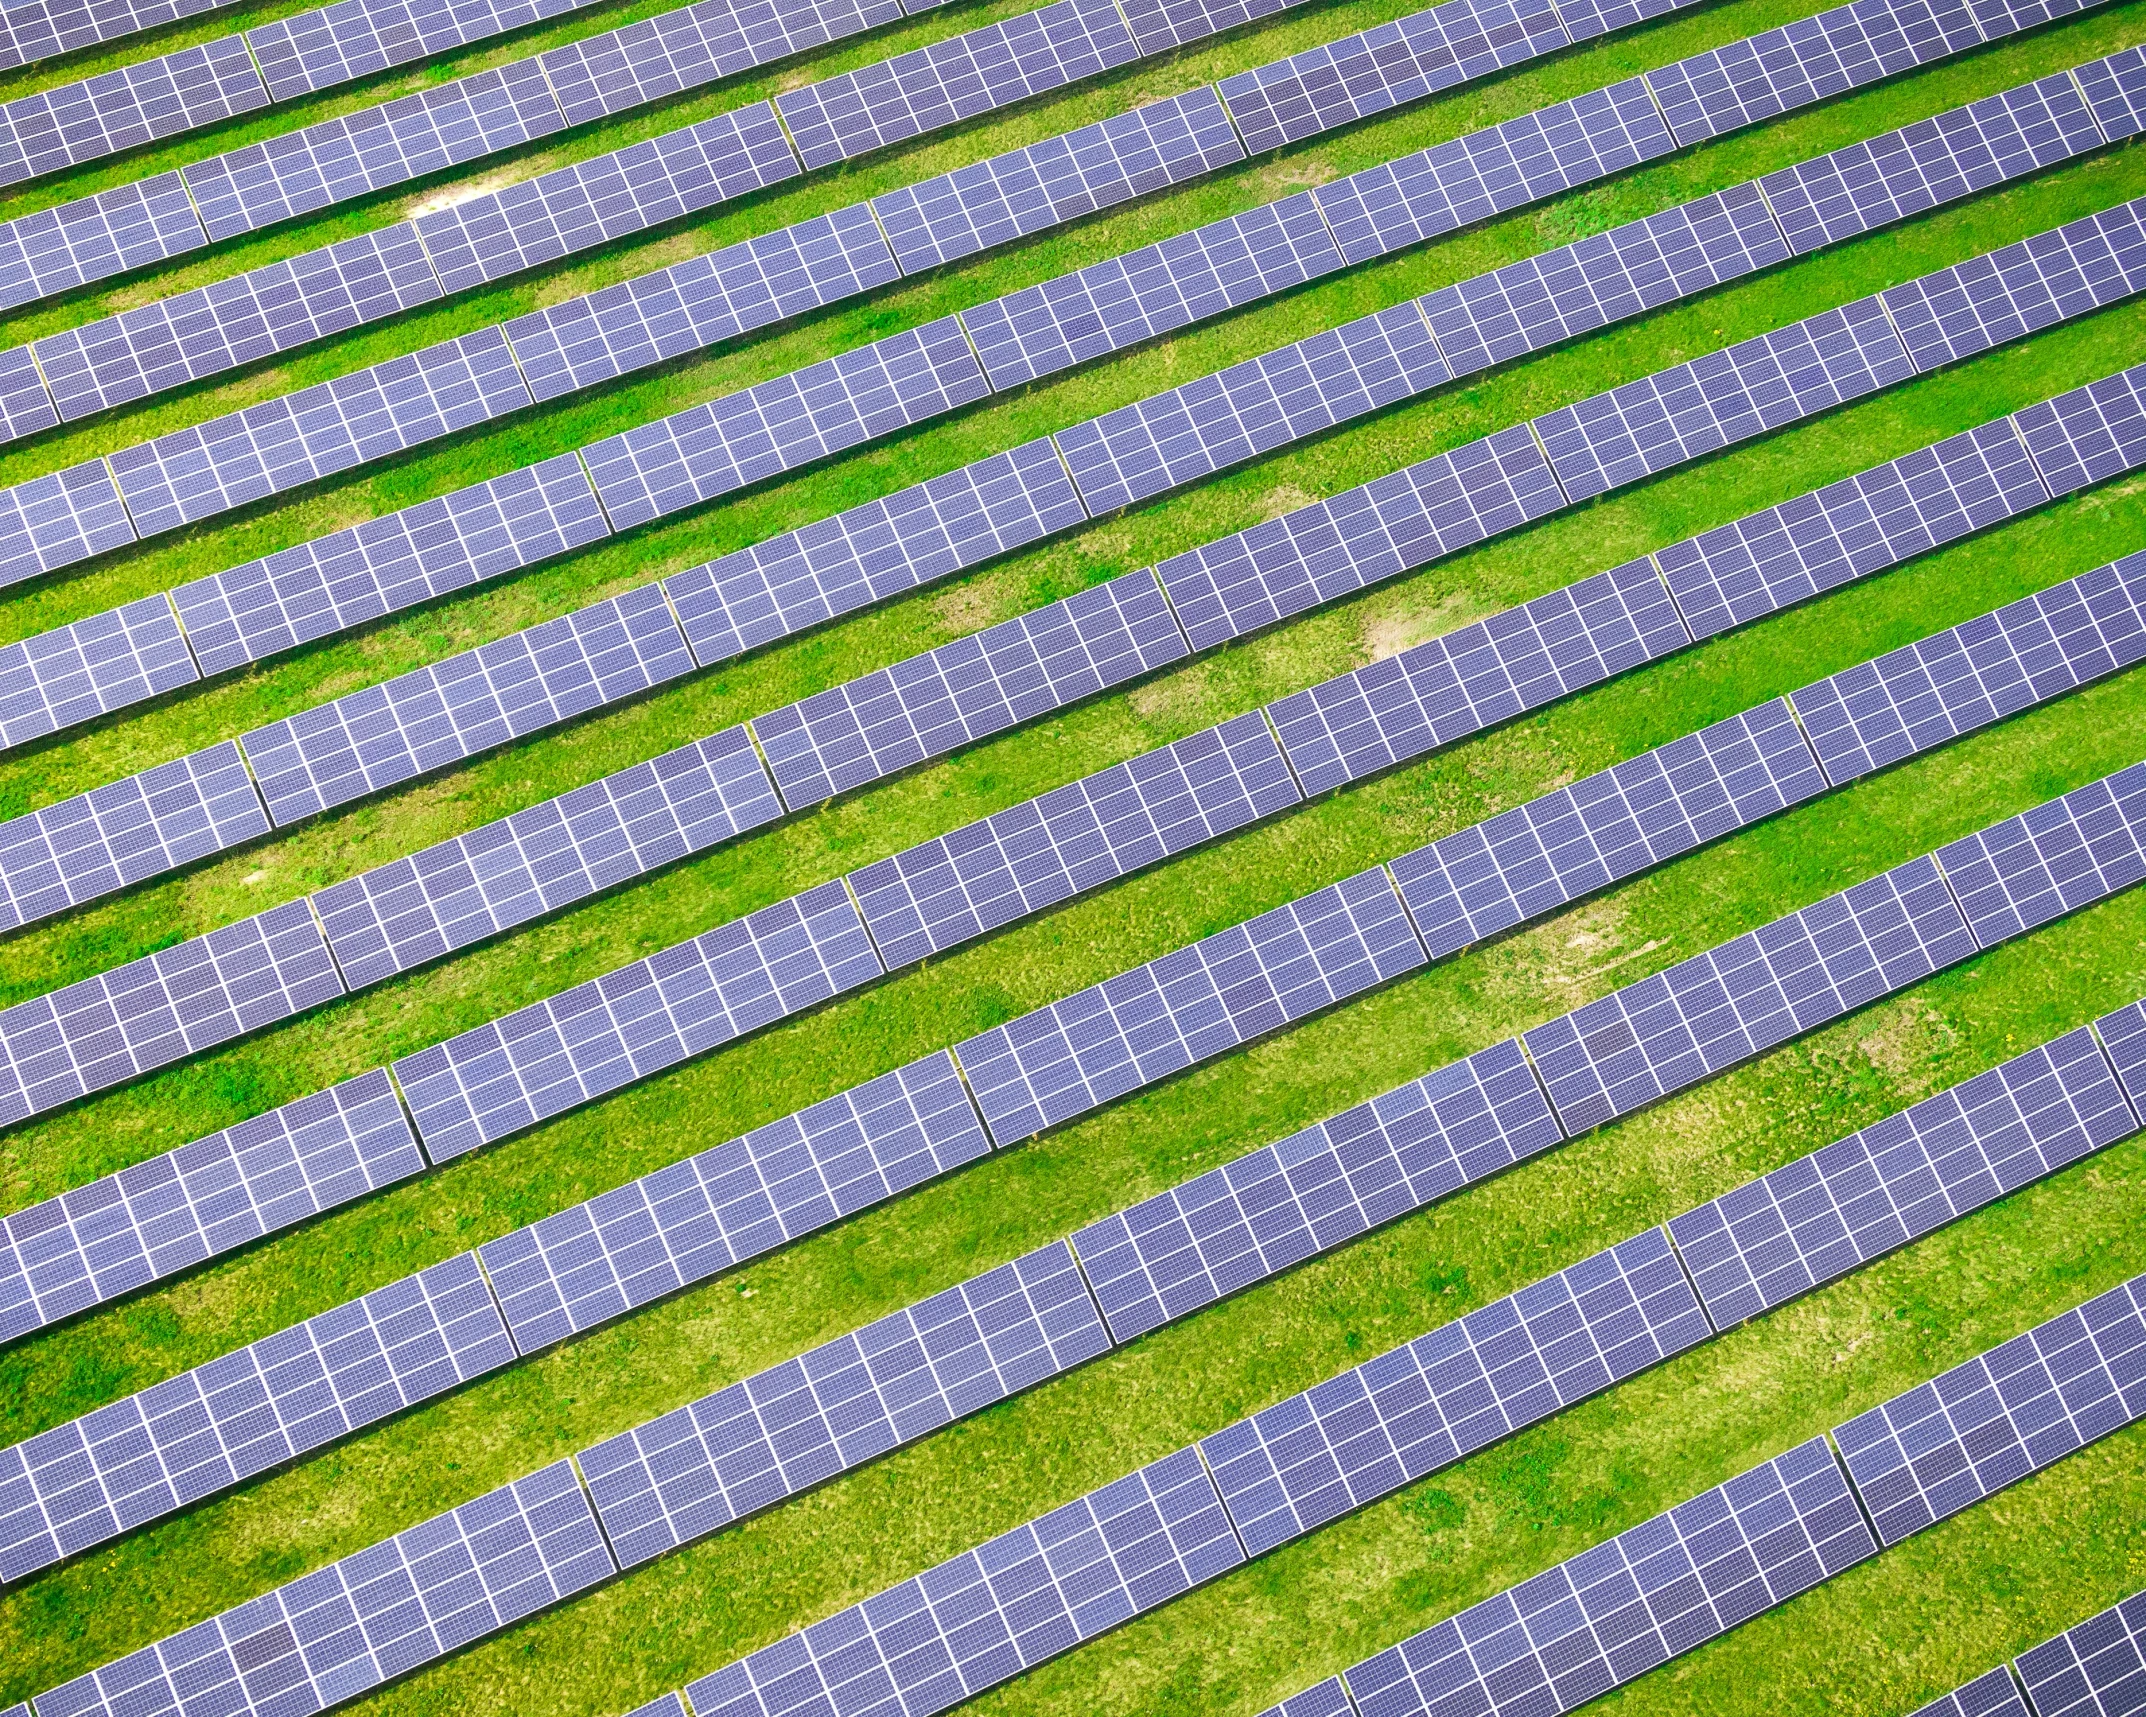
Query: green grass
1879	1640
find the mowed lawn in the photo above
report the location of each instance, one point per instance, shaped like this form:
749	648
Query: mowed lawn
1882	1639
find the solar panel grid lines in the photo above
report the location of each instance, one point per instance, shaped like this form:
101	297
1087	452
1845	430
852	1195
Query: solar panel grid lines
1705	1013
41	29
688	47
1553	850
1329	1699
74	673
2115	88
796	1424
25	402
550	1056
2089	434
49	250
2096	1669
127	107
2123	1039
854	112
1037	854
339	43
95	1477
401	914
1991	1695
1003	1607
371	1617
878	723
1309	1459
1161	24
1617	1610
58	519
1070	1056
1255	1217
1816	1218
2008	1412
2051	859
1898	704
787	421
148	1221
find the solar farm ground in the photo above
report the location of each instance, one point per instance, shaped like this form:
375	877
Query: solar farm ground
1879	1640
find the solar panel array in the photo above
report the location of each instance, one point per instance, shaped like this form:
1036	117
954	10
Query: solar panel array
2093	1670
127	107
1991	1695
41	29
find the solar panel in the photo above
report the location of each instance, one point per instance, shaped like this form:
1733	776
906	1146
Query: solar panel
1237	584
1400	203
1390	64
226	323
126	830
693	1219
367	570
994	1611
177	1441
127	107
371	1617
175	1209
25	402
1617	1610
1828	537
2053	859
59	518
301	437
1119	302
442	713
1062	1060
1059	179
1341	1177
882	103
2097	1669
875	550
1552	850
1660	420
1036	854
650	59
1825	1214
398	915
1161	24
1933	161
92	238
2006	293
2089	434
58	678
1973	1430
1586	19
354	154
1708	1012
1405	705
2123	1036
1991	1695
343	42
1314	1457
877	723
155	1010
796	1424
551	1056
2116	91
1928	692
42	29
1250	408
692	304
787	421
605	197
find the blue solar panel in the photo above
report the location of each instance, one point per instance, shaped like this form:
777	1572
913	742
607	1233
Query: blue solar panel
1329	1699
2011	1411
2043	863
122	656
1160	24
1311	1458
1062	1060
878	723
1991	1695
1586	19
25	402
342	42
1838	1208
2116	91
2123	1035
743	1448
127	107
96	237
2097	1669
41	29
554	1055
58	519
2089	434
1252	1218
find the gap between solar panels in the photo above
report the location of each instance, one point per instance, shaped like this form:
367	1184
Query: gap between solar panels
2097	1669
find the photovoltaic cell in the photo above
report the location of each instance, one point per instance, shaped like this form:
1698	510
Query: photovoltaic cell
1827	1213
1341	1177
1034	855
398	915
1312	1458
1991	1695
173	1210
2097	1669
1062	1060
95	237
871	726
2003	1414
1616	1611
1160	24
127	107
743	1448
95	1477
156	1010
2088	434
122	656
554	1055
60	518
126	830
370	1617
2116	91
1715	1009
2053	859
994	1611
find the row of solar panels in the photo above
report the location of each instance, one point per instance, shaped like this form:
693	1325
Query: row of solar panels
1274	1477
2097	1669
